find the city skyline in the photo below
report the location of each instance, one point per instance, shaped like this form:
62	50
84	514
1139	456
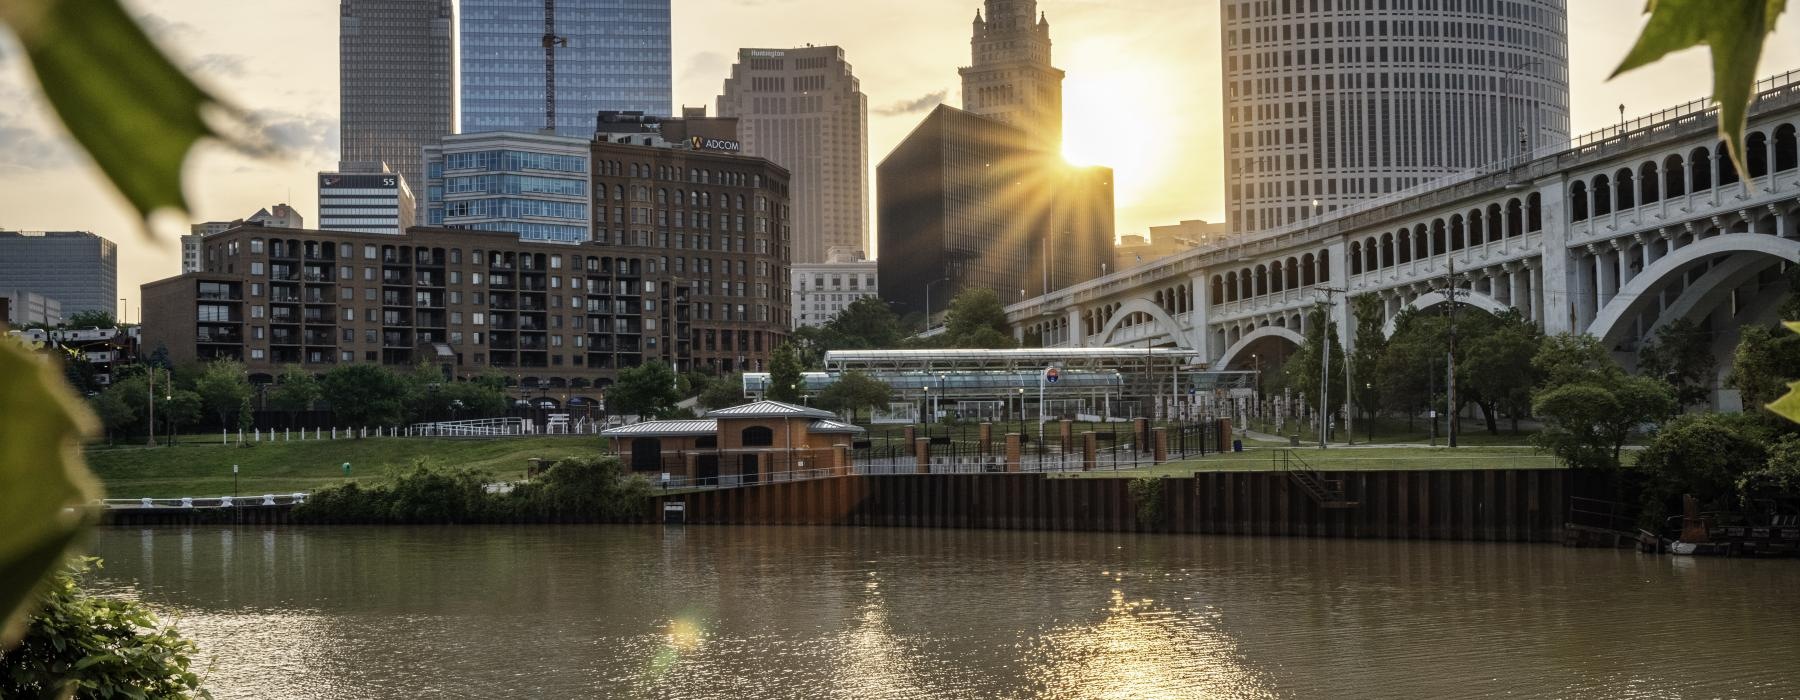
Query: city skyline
1120	70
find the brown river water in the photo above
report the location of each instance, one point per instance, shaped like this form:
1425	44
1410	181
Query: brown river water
869	613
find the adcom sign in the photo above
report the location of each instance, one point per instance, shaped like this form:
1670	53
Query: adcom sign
702	143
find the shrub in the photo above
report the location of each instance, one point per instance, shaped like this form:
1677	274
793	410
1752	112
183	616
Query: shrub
594	488
1146	495
94	647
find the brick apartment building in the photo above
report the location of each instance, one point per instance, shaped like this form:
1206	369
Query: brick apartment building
688	264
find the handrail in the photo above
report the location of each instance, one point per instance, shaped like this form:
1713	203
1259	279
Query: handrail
270	499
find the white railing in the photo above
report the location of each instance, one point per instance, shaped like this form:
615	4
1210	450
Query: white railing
286	499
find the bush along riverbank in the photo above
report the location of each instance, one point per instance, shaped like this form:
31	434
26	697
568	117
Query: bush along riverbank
575	489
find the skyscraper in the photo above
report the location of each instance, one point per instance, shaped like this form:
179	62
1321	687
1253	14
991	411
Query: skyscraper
617	59
1330	103
366	200
76	268
394	81
1010	78
966	199
802	109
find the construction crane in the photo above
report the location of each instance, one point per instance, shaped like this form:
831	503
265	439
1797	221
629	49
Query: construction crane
551	41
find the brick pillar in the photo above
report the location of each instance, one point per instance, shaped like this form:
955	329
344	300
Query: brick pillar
1140	433
909	437
922	455
1224	434
1068	435
1012	452
1090	450
987	436
1161	441
840	459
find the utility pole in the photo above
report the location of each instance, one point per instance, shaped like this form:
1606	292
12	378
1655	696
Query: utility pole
1450	370
150	395
1325	361
551	41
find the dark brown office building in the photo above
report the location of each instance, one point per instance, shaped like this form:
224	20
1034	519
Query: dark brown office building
966	198
688	265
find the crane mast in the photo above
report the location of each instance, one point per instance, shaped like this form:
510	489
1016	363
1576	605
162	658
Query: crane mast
551	41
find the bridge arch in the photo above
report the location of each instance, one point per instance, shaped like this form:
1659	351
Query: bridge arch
1161	316
1634	297
1464	296
1251	338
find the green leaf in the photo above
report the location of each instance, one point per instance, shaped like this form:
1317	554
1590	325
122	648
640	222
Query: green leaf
44	485
1734	29
1788	406
127	104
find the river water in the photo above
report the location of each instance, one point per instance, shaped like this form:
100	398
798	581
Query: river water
867	613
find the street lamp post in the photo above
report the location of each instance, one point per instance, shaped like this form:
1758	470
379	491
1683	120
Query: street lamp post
928	300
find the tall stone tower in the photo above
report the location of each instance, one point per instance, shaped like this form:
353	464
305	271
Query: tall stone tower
1010	78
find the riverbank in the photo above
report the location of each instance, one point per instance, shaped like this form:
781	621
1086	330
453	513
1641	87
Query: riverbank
287	467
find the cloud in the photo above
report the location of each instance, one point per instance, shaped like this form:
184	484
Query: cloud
708	66
217	65
27	148
919	104
306	136
166	31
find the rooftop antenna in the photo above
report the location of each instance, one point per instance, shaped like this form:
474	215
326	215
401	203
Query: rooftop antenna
551	41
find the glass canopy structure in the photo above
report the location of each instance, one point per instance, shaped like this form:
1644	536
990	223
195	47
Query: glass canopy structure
1090	381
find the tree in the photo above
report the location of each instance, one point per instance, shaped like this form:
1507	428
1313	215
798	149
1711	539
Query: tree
1765	361
1496	366
364	395
93	318
1681	354
721	393
854	391
976	319
1371	344
1589	405
866	323
102	646
1704	455
116	414
1406	377
784	376
646	391
1302	370
295	390
223	389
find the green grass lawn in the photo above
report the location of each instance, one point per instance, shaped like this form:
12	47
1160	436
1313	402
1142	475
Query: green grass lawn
1346	459
203	468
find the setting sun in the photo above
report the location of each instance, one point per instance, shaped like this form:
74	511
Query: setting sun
1116	114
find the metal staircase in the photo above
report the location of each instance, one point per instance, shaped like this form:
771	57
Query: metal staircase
1328	493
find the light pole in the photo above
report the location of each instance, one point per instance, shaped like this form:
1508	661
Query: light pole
1512	75
928	300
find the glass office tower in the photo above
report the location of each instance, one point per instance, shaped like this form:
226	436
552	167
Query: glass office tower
617	58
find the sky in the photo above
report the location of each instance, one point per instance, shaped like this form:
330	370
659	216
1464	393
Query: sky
1141	95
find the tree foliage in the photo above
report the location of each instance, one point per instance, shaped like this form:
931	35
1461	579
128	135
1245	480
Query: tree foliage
1589	406
1704	455
976	319
223	388
1304	368
1681	354
784	376
1765	360
1370	344
722	392
1496	366
647	391
296	389
854	391
364	395
96	647
92	318
577	489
